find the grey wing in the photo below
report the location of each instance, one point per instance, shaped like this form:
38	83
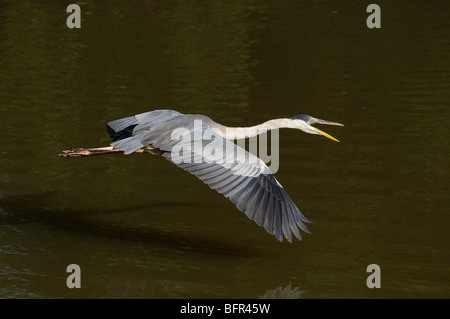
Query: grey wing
127	133
138	123
238	175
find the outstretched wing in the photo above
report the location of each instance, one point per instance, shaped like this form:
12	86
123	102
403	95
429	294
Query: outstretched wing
128	132
133	125
235	173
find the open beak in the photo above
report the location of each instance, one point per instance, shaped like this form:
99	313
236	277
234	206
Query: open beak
327	123
325	134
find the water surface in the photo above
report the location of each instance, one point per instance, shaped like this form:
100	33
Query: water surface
139	227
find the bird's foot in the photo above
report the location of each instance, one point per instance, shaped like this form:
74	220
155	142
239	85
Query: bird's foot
75	152
82	152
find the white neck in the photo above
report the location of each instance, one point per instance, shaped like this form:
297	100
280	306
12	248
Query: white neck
236	133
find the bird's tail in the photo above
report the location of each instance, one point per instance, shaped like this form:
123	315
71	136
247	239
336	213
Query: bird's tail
82	152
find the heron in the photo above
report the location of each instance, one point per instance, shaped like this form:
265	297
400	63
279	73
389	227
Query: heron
242	178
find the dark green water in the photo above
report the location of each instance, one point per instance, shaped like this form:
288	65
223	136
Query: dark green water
140	227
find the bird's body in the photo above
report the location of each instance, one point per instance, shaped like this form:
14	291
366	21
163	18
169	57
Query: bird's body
209	153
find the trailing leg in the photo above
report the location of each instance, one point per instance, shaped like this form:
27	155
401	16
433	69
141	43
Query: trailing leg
82	152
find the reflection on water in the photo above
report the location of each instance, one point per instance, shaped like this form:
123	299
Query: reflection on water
140	227
32	209
283	293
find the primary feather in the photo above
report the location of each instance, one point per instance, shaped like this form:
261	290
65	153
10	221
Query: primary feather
238	175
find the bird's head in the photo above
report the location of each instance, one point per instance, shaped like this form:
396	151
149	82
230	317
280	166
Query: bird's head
306	122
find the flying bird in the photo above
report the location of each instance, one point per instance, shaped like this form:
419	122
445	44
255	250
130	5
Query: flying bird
206	149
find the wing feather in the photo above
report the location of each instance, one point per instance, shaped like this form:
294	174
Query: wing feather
237	174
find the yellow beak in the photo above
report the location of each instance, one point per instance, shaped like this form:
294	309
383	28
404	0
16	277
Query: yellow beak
325	134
